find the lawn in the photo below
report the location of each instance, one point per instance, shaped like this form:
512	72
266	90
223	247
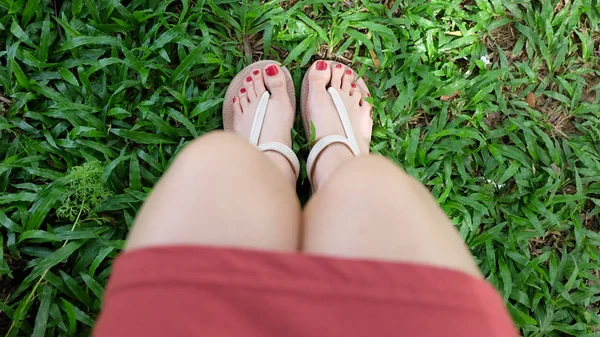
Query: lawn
493	104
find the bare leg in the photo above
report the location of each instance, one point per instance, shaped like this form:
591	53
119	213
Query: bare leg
222	191
367	207
371	209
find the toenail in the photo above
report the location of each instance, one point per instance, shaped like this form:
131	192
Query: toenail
234	99
353	85
271	70
243	90
349	72
368	95
248	79
255	72
338	65
321	65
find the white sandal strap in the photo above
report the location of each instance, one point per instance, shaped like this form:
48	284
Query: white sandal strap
349	140
284	151
321	145
259	118
280	148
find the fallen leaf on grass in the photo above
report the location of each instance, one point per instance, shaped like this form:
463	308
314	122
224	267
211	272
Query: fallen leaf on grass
555	168
448	98
530	99
376	61
493	119
5	100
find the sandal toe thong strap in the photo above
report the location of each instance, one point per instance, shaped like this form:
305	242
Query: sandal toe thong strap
280	148
349	140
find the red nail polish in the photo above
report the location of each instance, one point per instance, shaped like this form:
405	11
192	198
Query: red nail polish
353	85
338	66
271	70
243	90
255	72
368	95
349	72
234	99
248	79
321	65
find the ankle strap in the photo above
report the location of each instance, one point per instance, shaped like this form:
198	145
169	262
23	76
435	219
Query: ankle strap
285	151
321	145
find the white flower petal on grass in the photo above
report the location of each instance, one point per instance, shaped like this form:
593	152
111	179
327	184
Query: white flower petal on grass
485	60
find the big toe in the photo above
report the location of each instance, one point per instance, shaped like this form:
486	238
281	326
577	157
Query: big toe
319	74
274	79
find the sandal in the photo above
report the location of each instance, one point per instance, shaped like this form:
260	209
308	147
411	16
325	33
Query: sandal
228	115
349	140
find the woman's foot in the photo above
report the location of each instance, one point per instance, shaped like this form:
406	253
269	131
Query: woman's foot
321	110
279	118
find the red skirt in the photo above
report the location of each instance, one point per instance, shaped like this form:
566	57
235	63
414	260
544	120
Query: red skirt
203	291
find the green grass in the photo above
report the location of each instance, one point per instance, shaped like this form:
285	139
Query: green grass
96	97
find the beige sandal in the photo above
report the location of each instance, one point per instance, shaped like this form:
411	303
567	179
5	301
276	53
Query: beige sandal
349	140
232	91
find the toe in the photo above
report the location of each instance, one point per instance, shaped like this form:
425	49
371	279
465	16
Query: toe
259	84
249	86
319	74
336	75
365	107
347	80
355	94
274	79
362	88
354	90
243	97
237	108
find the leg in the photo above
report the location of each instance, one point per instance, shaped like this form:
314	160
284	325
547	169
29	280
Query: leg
220	191
366	207
371	209
223	191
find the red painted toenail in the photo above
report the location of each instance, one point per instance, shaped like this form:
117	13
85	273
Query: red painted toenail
368	95
353	85
321	65
256	72
271	70
234	99
243	90
349	72
338	65
248	79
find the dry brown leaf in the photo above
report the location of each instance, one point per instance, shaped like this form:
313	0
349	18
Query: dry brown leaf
376	61
448	98
455	33
530	99
555	168
4	99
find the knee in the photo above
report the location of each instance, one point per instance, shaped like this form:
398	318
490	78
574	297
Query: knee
216	142
373	173
373	180
215	150
225	158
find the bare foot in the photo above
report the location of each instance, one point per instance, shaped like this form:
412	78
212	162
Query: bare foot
279	118
321	111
